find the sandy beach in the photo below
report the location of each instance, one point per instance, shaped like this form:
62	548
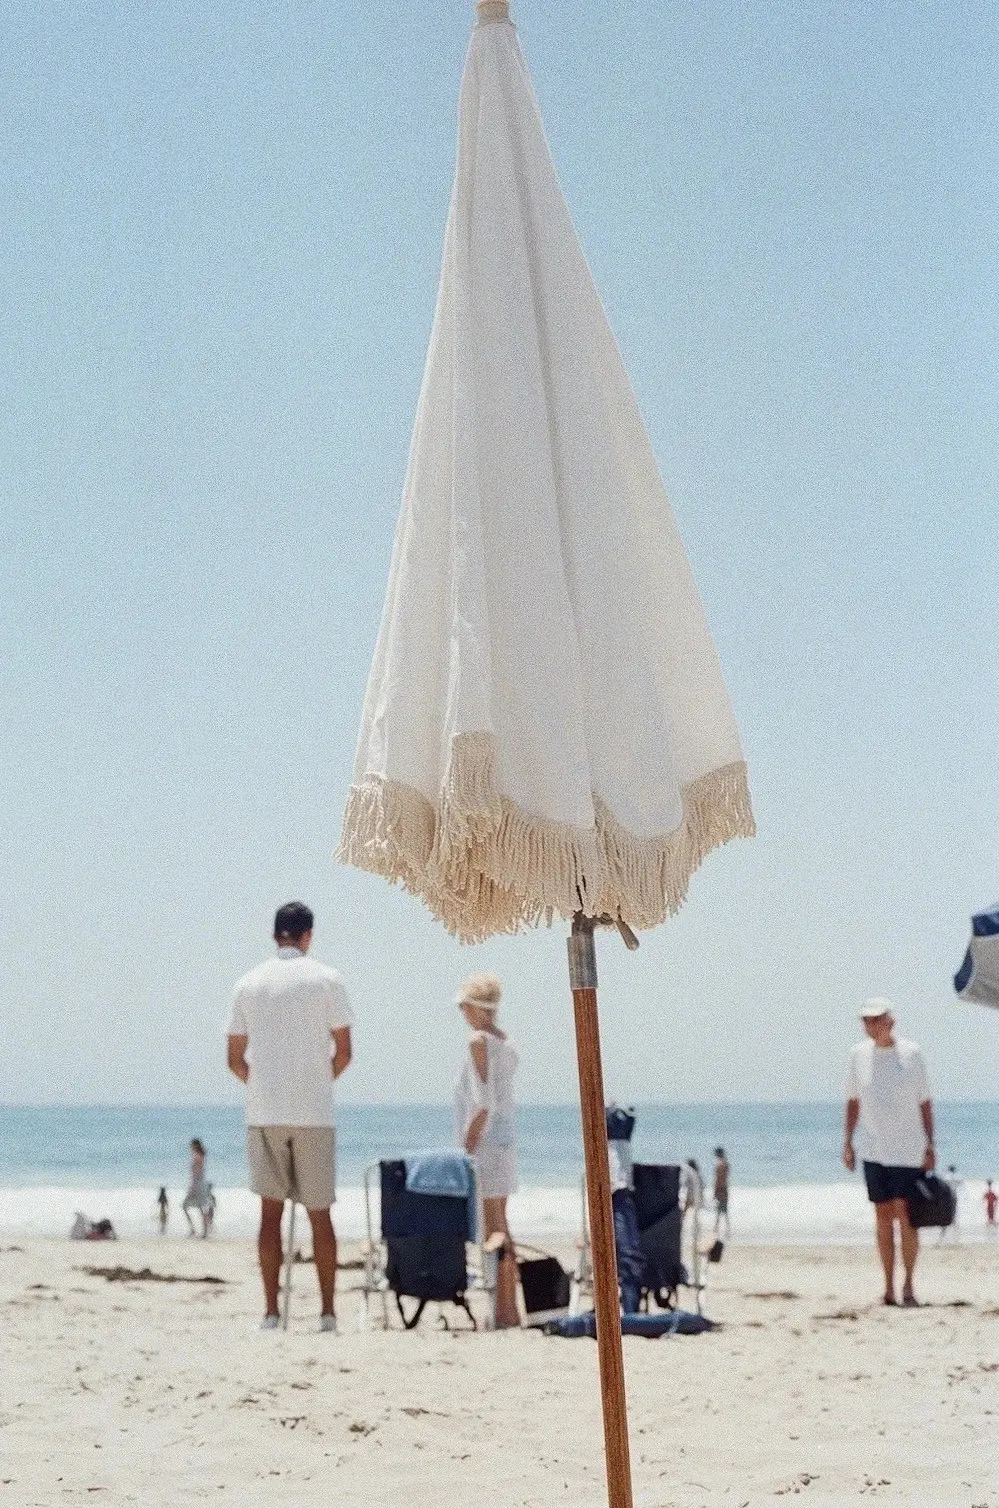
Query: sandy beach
165	1393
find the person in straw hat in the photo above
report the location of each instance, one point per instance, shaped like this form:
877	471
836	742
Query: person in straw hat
484	1119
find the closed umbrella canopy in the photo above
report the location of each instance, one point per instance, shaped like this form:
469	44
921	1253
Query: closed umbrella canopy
978	977
546	728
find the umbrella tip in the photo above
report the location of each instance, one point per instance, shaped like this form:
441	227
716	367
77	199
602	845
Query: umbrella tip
492	10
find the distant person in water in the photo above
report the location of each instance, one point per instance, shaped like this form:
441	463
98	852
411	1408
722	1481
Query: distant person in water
485	1124
722	1171
888	1101
198	1194
163	1209
991	1199
289	1039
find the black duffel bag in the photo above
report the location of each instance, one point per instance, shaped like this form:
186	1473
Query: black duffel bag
932	1202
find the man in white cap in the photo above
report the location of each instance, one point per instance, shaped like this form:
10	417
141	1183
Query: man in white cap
888	1099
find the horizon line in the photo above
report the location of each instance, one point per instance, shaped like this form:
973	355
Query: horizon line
442	1104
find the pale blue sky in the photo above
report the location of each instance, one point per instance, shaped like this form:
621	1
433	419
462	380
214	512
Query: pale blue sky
219	244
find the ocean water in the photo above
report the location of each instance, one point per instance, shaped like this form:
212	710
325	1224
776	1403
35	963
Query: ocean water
788	1184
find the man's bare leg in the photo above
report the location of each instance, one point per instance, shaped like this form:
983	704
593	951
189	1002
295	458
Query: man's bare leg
324	1250
884	1215
910	1248
269	1250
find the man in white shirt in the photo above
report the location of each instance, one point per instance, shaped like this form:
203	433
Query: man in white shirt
289	1038
888	1098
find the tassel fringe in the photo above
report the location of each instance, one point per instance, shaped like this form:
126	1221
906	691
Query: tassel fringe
483	865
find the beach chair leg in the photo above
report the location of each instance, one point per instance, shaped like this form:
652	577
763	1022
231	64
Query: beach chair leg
462	1303
374	1264
488	1256
491	1252
289	1261
489	1265
582	1282
695	1263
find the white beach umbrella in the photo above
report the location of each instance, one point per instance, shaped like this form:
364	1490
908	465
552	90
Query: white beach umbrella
546	729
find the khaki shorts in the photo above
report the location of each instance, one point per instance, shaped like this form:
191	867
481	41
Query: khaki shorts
293	1162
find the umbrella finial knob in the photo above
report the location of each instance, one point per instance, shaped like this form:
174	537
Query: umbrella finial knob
493	10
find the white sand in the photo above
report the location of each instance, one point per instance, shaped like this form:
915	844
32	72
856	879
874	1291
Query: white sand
166	1394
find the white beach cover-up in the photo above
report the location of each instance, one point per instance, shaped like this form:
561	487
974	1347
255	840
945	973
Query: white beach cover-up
546	728
496	1153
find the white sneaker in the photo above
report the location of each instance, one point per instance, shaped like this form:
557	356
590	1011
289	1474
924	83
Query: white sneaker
327	1324
270	1322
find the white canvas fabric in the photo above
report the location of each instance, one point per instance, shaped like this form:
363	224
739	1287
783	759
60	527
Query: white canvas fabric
546	728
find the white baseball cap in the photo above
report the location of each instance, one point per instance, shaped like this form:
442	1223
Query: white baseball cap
876	1006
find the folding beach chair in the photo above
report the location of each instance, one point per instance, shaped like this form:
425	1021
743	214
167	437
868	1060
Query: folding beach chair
661	1229
422	1252
660	1232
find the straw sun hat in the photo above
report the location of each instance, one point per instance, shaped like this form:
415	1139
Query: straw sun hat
481	989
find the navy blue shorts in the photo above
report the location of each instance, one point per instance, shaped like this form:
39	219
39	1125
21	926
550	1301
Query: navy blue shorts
885	1182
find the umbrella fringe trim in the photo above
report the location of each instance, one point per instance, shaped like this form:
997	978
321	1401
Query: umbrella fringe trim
388	829
483	865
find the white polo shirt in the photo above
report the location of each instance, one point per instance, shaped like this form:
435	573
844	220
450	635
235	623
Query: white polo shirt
288	1007
891	1084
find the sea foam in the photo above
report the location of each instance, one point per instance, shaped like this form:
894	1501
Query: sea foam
804	1214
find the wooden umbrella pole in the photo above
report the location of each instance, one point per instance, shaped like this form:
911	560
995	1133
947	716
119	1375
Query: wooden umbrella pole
583	981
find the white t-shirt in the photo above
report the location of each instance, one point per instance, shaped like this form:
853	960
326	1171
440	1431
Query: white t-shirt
288	1007
891	1084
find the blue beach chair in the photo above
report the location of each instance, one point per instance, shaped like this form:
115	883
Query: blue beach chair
429	1219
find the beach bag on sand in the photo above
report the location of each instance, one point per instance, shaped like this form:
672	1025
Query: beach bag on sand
933	1203
545	1285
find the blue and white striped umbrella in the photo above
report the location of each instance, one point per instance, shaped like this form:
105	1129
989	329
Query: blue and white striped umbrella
978	977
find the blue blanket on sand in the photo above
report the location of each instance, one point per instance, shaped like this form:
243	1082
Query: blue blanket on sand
673	1322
